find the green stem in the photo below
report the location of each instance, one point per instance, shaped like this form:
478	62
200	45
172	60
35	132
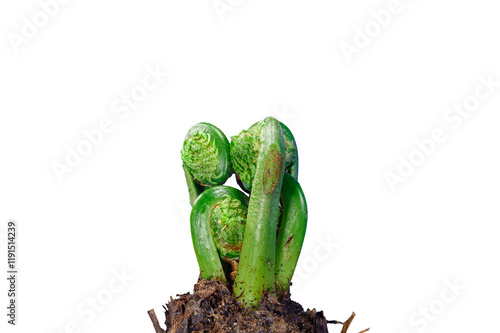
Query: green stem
292	231
194	188
256	271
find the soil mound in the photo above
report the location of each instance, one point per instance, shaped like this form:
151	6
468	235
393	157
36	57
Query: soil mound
212	308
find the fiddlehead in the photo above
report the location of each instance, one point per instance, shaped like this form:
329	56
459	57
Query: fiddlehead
257	260
205	154
217	228
291	232
245	149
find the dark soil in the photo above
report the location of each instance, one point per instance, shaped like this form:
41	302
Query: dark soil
212	308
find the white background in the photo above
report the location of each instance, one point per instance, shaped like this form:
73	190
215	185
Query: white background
124	206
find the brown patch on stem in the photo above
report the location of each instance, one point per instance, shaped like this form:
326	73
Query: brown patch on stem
273	169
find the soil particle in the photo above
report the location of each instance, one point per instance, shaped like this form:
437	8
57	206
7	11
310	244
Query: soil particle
212	308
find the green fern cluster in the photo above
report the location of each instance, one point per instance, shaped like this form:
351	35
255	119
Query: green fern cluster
237	238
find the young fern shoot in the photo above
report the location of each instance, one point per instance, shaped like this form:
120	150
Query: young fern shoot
256	271
245	148
291	233
205	158
217	227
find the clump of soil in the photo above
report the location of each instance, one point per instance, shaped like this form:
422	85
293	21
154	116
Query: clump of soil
212	308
